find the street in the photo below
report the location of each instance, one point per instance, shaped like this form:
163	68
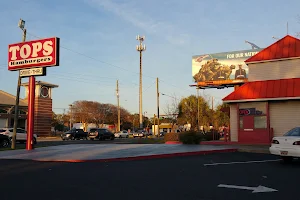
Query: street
238	175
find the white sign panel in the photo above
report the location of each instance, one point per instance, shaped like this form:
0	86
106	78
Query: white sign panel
32	72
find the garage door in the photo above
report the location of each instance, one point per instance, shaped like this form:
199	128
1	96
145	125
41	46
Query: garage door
284	116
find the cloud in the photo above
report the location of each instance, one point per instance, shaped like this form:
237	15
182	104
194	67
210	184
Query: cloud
132	14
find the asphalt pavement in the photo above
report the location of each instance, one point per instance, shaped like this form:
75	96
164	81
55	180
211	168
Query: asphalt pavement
42	142
222	176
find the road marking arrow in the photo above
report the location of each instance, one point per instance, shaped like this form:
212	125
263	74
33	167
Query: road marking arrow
257	189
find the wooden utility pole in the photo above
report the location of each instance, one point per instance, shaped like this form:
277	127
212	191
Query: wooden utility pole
119	113
198	110
16	116
154	124
157	99
212	116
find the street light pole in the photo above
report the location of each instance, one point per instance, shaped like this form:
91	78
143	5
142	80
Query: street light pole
16	116
140	48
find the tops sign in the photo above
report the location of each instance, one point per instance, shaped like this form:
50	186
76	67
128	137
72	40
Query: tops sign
37	53
249	111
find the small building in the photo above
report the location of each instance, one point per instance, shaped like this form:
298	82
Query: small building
165	127
7	111
269	103
42	111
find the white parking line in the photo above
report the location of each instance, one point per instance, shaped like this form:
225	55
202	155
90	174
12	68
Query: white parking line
244	162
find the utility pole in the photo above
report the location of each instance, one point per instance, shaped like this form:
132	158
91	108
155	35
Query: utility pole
141	48
154	125
198	112
119	114
70	116
16	116
157	99
212	116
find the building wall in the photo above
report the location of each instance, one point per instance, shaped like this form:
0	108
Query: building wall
3	123
274	70
284	115
258	105
233	123
42	116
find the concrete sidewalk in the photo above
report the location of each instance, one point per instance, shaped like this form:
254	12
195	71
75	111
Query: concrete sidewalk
111	152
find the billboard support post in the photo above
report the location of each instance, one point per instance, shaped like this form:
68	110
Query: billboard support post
31	101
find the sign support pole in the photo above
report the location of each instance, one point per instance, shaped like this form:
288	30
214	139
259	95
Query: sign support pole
31	102
16	116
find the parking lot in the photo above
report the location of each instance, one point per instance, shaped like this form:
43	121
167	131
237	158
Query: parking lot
229	176
42	142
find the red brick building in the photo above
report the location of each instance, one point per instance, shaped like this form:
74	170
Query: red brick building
43	108
269	104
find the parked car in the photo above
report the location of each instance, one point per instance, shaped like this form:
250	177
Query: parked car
162	134
4	141
100	134
121	134
21	134
139	133
74	134
287	146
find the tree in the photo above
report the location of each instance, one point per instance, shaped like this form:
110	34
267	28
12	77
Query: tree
171	110
85	112
188	111
59	121
94	112
222	115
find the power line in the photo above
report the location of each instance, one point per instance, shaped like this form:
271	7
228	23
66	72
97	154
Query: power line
84	55
92	58
110	63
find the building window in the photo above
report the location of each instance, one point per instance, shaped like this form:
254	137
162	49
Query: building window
3	111
260	122
241	123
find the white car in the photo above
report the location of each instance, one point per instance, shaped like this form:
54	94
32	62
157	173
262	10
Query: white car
121	134
287	146
21	134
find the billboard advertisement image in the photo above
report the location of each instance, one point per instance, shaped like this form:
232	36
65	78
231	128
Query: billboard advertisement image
221	66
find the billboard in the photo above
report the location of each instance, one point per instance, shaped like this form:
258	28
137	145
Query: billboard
221	66
31	54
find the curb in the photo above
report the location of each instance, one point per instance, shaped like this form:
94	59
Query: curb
182	154
264	151
173	142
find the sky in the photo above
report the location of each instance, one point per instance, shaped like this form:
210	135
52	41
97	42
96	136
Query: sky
98	41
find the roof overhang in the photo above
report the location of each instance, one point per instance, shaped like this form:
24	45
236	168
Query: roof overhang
42	83
273	60
263	99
